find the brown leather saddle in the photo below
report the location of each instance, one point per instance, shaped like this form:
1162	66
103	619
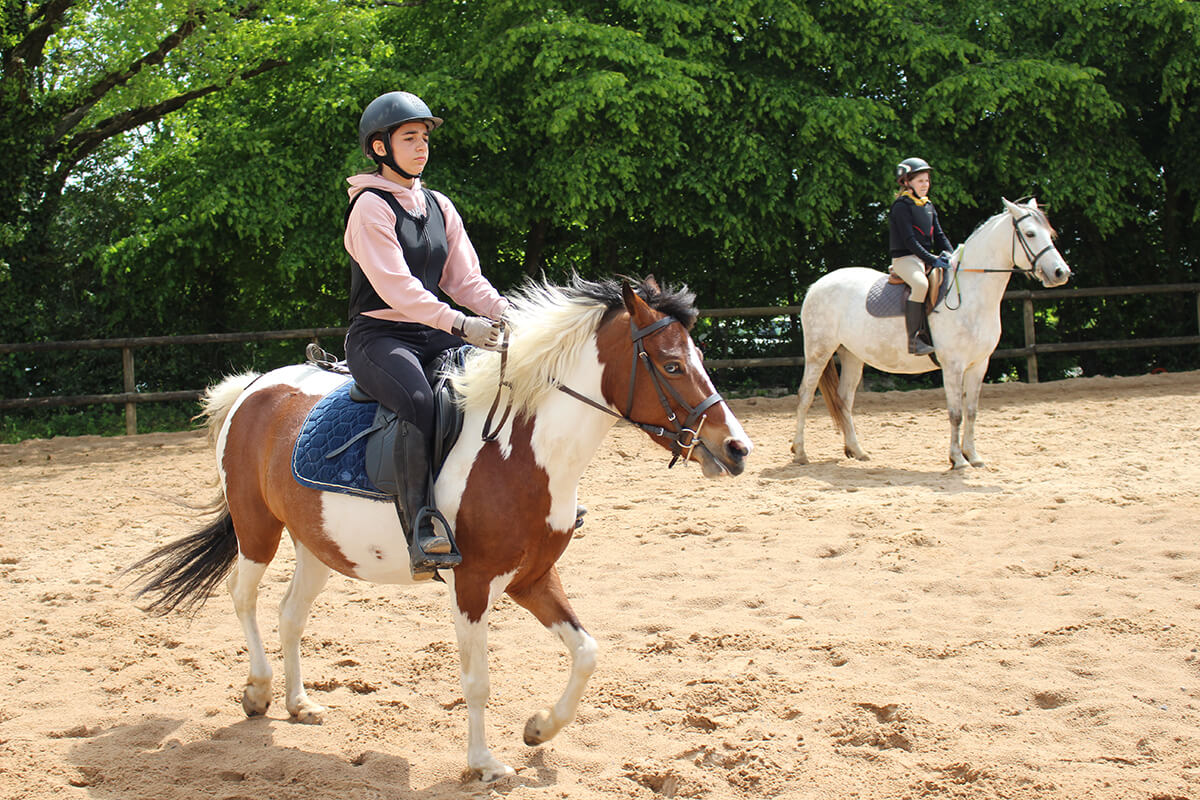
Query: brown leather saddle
935	276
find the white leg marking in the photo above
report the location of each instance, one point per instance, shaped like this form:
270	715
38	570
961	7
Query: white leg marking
307	582
546	724
243	586
472	654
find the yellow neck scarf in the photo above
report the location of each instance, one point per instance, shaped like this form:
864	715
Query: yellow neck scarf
918	200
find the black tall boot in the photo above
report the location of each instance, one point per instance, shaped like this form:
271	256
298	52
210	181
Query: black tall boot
914	323
428	548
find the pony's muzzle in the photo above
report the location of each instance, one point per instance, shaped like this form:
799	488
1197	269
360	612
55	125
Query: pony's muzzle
729	458
736	451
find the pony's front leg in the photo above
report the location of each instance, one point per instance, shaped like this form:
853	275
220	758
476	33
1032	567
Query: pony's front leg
952	379
972	383
307	582
472	653
548	602
243	586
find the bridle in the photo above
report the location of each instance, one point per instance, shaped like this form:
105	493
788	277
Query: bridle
1029	254
683	437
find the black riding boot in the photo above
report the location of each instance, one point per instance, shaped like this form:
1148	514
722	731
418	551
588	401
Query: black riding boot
429	549
914	322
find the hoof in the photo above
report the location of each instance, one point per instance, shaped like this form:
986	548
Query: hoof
537	729
253	705
859	456
978	462
494	771
307	712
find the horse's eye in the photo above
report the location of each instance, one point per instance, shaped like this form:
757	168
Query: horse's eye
673	368
1030	234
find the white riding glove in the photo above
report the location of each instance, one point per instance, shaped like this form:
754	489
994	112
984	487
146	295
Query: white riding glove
479	331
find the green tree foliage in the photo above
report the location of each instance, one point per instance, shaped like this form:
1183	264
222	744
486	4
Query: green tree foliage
742	146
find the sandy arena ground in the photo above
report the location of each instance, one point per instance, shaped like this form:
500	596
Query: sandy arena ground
880	629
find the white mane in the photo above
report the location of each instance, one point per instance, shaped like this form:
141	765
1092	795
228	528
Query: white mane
548	332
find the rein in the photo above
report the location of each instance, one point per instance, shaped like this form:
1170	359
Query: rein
683	437
489	434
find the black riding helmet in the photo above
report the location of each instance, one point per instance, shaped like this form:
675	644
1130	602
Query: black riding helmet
385	113
909	167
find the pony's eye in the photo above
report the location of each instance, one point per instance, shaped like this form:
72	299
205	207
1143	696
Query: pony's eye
1030	234
673	368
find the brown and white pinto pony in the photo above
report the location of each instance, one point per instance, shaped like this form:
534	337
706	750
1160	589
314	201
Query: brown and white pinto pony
579	358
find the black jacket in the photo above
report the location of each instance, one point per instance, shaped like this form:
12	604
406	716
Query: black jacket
915	231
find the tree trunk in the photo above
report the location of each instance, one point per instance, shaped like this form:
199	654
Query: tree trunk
535	245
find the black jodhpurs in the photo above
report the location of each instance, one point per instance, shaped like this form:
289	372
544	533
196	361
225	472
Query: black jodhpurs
388	360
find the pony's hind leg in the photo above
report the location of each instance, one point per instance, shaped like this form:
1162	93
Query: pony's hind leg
547	600
243	587
307	582
852	370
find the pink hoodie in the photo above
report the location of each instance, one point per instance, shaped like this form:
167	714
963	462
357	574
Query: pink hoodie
371	241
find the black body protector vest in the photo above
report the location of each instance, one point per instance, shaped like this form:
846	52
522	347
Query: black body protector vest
920	218
423	240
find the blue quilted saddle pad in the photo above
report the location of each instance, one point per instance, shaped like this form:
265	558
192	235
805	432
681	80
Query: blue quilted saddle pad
330	450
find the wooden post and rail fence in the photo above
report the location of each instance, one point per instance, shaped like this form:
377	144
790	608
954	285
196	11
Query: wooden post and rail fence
130	397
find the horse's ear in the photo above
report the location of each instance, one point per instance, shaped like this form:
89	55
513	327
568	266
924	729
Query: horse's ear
653	284
629	296
636	306
1033	202
1012	207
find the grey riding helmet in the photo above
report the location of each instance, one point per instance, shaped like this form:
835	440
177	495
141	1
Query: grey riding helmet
385	113
911	166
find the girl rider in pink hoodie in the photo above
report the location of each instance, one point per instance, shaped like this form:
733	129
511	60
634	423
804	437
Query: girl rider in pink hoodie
407	245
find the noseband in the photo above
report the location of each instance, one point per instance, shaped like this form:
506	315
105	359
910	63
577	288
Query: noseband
683	437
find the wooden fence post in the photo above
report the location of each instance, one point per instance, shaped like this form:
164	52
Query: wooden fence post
1031	365
130	386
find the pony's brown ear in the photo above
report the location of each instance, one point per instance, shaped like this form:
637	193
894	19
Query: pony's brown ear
629	296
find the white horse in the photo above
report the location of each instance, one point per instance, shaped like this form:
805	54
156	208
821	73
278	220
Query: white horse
965	326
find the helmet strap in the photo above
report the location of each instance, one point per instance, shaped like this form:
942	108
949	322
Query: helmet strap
389	160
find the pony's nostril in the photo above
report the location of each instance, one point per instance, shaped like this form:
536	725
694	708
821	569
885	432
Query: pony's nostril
737	448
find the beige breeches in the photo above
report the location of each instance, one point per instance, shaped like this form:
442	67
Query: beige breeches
912	271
